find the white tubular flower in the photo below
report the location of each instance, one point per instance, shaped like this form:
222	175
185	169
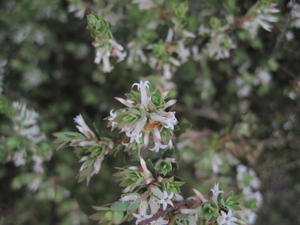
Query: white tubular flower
145	120
157	141
261	16
142	215
112	117
117	50
143	86
158	146
227	218
168	119
134	131
106	64
164	198
170	35
146	173
216	192
83	127
103	54
97	165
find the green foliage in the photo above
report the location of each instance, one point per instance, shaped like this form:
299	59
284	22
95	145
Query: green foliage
98	27
209	210
232	66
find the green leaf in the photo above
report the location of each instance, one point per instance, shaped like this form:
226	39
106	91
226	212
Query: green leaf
120	206
157	99
118	217
231	202
98	27
180	10
67	136
209	210
133	95
135	111
133	207
96	216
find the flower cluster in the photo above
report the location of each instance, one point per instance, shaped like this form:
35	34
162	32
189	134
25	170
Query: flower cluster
261	15
152	197
106	46
105	51
26	123
28	146
180	42
145	120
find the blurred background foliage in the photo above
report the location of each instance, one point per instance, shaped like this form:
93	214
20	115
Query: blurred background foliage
47	64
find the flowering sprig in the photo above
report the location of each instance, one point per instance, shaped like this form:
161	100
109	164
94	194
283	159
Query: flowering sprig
104	43
148	200
151	192
145	120
161	36
260	15
26	145
95	148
